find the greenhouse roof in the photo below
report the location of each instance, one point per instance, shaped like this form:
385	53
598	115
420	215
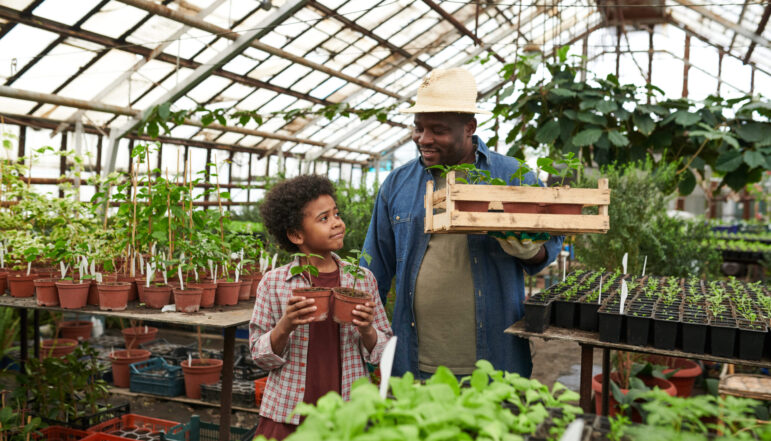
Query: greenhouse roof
105	63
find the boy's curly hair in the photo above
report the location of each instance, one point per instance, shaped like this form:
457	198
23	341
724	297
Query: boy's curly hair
282	208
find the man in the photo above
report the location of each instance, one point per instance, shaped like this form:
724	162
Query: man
455	293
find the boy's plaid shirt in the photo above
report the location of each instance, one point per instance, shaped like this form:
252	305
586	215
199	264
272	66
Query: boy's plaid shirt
286	381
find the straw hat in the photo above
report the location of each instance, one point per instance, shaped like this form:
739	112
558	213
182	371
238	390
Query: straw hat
447	90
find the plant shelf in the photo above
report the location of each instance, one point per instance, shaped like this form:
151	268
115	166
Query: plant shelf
443	215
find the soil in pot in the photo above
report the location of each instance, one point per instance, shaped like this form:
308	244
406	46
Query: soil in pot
76	329
613	407
322	298
227	292
72	295
187	300
120	364
157	296
137	335
208	291
58	347
198	372
113	296
243	290
346	300
22	285
45	292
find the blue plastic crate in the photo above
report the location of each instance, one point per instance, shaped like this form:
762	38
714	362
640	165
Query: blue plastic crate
197	430
155	376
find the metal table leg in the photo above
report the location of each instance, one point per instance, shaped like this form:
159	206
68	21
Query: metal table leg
227	382
605	380
23	336
587	361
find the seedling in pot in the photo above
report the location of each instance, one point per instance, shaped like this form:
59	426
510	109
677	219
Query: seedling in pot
308	268
354	269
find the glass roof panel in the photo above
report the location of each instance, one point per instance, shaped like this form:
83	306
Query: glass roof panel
13	55
53	69
114	19
66	12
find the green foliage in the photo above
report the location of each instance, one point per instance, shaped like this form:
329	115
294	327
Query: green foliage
354	265
640	226
613	123
306	268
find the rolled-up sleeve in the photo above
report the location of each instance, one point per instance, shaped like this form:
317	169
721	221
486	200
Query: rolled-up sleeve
380	323
266	314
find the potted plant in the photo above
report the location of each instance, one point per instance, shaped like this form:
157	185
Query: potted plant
721	321
694	317
156	294
666	317
25	249
72	295
228	289
203	252
200	371
75	329
136	334
121	360
57	347
681	372
186	298
346	299
321	296
113	296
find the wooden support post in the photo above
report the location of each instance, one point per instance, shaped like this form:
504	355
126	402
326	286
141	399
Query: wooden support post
22	143
618	50
62	161
686	64
99	154
720	55
650	60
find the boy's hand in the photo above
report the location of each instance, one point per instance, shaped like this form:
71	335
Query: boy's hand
296	313
365	314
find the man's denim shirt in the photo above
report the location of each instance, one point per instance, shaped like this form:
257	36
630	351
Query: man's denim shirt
397	244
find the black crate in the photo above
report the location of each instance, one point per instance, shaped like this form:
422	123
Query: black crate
243	393
86	421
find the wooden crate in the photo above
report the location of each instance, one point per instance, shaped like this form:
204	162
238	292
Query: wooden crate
442	215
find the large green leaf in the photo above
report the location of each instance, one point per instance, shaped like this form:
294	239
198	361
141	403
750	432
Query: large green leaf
563	92
687	183
754	131
587	137
729	161
644	123
754	159
592	118
606	106
617	138
685	118
548	132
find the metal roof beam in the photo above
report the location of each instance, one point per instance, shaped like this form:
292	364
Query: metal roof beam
744	32
460	27
112	43
761	27
189	20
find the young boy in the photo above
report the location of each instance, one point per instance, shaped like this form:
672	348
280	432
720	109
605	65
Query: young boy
308	358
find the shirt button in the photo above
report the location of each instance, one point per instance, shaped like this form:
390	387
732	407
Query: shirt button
413	324
397	217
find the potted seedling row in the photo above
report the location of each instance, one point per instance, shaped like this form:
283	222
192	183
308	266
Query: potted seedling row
539	309
321	296
638	310
695	321
722	321
565	303
667	317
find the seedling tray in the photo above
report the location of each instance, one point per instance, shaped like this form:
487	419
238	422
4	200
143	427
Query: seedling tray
132	423
59	433
155	376
203	431
86	421
449	219
242	395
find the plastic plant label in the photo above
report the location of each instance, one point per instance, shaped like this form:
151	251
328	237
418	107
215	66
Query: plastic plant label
2	255
574	430
386	363
62	268
599	296
624	293
98	277
645	262
624	261
29	267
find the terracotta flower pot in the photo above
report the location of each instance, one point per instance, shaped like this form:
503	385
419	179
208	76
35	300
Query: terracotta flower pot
187	300
243	290
22	285
322	297
45	291
683	379
57	347
3	282
227	292
137	335
208	291
132	281
76	329
523	207
255	284
198	373
564	208
157	296
613	406
120	364
346	300
93	291
113	296
72	295
476	206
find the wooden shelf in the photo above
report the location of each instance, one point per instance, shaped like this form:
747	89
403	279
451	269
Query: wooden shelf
179	399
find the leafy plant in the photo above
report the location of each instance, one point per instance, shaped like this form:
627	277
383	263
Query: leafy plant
306	268
354	267
472	173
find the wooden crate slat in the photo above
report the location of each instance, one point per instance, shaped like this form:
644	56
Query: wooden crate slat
530	222
549	195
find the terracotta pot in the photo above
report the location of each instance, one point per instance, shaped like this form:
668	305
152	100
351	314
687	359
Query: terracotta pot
344	304
208	291
227	292
45	291
137	335
3	282
72	295
564	208
476	206
524	207
255	284
140	283
120	364
132	281
93	291
613	408
198	373
157	296
113	296
243	290
58	347
683	379
187	300
76	329
322	297
22	285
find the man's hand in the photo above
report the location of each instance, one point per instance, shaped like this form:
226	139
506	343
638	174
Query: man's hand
365	314
297	313
525	249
